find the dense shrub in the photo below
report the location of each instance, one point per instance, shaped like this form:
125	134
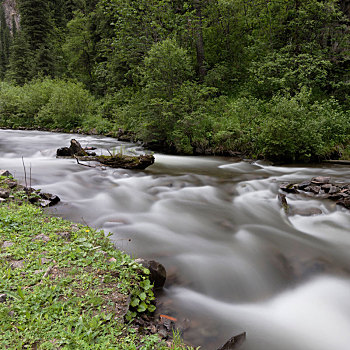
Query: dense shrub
285	128
46	103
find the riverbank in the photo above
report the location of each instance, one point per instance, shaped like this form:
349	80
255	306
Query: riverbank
64	285
206	125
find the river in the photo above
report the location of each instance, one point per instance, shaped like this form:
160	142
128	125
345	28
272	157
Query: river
236	261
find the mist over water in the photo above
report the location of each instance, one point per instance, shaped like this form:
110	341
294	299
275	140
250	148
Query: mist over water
235	261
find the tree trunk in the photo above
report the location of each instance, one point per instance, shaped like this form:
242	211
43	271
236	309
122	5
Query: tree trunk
345	6
199	40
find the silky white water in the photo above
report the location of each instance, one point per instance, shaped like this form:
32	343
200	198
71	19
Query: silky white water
235	261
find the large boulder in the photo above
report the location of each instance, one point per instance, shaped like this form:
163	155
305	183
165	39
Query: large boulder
157	272
75	149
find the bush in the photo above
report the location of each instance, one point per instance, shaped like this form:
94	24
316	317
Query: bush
285	128
46	103
12	109
67	107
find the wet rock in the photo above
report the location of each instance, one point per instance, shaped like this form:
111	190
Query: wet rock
64	152
5	173
162	331
7	244
338	196
44	203
54	199
320	180
235	342
303	185
283	202
289	188
3	298
345	203
4	194
307	212
324	188
157	272
11	183
48	200
313	189
75	149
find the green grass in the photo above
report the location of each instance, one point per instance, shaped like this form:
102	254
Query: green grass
70	287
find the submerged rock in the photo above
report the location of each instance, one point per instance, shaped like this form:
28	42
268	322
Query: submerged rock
283	202
235	342
307	211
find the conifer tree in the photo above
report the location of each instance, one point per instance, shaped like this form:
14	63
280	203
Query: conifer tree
5	40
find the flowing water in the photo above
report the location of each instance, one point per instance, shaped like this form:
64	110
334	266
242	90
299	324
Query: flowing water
236	261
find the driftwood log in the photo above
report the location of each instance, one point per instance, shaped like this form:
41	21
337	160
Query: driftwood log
113	161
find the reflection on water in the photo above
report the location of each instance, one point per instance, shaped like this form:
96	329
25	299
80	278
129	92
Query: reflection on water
236	262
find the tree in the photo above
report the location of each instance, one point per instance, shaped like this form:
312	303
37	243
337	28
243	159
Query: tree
5	41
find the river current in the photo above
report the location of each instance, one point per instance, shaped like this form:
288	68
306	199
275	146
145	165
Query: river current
236	262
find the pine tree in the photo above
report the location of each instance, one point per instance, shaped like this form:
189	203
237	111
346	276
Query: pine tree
31	54
5	40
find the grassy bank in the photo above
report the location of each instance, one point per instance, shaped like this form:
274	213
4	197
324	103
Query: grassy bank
65	286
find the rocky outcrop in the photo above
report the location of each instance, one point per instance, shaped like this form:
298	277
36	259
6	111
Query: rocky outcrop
321	187
10	190
11	14
75	149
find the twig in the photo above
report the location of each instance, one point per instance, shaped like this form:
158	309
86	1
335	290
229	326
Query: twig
90	166
30	175
85	223
109	152
25	172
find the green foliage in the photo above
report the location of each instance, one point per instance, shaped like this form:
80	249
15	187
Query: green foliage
166	67
46	103
286	128
287	72
255	62
67	107
78	49
5	41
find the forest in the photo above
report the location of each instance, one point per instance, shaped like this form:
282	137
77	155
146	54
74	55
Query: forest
268	79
